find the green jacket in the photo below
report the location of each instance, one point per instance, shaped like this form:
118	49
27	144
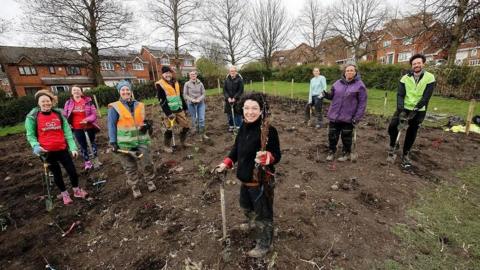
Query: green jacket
415	95
31	128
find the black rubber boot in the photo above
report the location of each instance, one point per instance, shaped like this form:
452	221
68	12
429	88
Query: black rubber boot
183	137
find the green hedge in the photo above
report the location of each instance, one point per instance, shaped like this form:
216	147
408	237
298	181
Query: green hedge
15	110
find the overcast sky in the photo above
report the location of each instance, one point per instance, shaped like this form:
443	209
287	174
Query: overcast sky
11	11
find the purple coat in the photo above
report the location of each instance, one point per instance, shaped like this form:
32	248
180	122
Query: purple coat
90	111
349	100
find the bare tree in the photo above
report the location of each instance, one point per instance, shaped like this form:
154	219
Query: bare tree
314	23
356	20
95	24
270	28
213	51
458	17
175	16
228	25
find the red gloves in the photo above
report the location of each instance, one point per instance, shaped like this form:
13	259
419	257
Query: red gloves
264	158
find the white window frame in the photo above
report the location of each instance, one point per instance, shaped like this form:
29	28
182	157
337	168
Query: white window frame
164	61
387	43
107	65
188	62
404	56
407	41
474	62
142	81
473	52
55	88
138	66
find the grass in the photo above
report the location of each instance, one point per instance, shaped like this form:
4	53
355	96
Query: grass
447	227
18	128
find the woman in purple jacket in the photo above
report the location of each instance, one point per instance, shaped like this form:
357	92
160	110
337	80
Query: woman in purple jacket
82	117
349	100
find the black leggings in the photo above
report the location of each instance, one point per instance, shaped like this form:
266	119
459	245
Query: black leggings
411	135
63	157
82	140
335	130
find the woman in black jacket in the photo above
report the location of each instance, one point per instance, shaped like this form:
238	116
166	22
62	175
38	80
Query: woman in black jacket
255	160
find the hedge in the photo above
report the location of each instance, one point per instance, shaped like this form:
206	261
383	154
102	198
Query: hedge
14	111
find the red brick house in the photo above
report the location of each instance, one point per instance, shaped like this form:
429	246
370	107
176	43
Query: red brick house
334	50
468	53
5	84
117	65
300	55
31	69
160	56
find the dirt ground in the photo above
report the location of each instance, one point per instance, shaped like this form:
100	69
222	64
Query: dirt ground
179	225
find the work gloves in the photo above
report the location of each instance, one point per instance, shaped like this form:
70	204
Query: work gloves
264	158
146	127
114	147
38	150
226	164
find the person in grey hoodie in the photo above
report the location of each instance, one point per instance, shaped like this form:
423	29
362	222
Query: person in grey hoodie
194	95
349	100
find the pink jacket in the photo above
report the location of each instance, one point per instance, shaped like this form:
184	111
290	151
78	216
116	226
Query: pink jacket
90	111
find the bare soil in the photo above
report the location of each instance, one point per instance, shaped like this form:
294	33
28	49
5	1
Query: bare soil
179	226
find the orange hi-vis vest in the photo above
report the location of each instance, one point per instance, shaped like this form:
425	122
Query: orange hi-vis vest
128	125
173	94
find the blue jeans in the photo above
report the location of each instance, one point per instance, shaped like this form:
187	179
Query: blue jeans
195	110
238	120
82	140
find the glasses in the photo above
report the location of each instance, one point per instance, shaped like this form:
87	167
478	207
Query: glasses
251	108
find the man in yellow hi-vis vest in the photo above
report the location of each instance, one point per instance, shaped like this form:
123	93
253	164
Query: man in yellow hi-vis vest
414	92
174	107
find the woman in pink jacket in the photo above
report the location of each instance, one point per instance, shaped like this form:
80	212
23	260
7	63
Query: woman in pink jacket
82	117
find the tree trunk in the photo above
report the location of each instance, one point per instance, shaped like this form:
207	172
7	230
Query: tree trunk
176	37
457	31
95	61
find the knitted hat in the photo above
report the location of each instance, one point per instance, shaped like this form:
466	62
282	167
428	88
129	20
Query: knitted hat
166	69
123	83
48	93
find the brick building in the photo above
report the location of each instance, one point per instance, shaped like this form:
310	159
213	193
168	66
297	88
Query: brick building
117	65
300	55
31	69
468	53
160	56
5	84
334	50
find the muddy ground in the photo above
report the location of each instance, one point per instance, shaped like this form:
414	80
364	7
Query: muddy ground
179	225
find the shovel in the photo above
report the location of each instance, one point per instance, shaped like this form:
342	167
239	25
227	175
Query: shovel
135	154
233	119
354	154
225	239
172	123
90	151
46	180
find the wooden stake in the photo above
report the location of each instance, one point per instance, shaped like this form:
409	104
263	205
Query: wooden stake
274	88
96	104
224	215
468	122
218	85
385	104
251	85
291	90
263	85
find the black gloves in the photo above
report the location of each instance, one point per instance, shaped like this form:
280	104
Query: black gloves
114	146
147	127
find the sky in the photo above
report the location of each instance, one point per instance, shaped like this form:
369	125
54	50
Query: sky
11	11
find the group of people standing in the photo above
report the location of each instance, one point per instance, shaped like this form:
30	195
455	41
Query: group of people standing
256	148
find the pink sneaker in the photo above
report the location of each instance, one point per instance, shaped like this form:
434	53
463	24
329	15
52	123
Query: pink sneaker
66	198
88	165
79	193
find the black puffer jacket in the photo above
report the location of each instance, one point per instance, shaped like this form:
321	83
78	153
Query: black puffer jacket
247	144
233	88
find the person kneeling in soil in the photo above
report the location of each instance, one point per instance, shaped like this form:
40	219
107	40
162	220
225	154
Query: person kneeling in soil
127	132
349	100
82	116
50	136
256	150
174	106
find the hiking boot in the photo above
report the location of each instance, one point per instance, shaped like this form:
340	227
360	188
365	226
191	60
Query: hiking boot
344	157
406	161
247	226
66	198
151	186
330	156
136	192
88	165
258	252
391	155
79	193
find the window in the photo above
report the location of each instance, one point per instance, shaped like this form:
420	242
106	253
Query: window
137	66
404	56
123	65
281	59
387	43
51	69
142	81
407	41
165	62
473	52
107	65
59	88
73	70
27	70
475	62
188	62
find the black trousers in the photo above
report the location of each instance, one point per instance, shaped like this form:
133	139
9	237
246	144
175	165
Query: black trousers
259	207
54	159
337	130
82	140
411	135
317	104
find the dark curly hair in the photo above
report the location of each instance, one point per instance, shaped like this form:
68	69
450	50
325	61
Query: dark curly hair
418	55
260	98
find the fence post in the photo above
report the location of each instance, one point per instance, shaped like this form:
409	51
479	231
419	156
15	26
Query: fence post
385	104
251	85
291	90
218	85
263	84
98	108
468	121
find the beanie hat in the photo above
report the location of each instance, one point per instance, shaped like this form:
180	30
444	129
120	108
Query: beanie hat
48	93
166	69
123	83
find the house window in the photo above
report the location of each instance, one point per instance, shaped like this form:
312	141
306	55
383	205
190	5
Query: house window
107	65
73	70
27	70
281	59
387	43
59	89
137	66
404	56
407	41
473	52
165	62
475	62
123	65
142	81
188	62
51	69
382	60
